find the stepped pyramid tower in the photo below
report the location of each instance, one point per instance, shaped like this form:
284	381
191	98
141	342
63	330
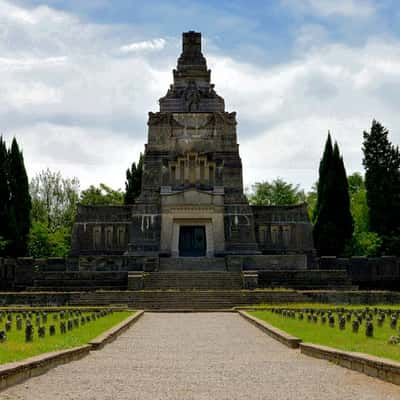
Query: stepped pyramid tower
192	202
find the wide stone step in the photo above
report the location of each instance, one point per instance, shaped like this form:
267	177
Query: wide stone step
192	280
76	288
200	264
185	299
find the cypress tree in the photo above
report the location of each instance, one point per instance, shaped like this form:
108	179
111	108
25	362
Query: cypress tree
382	181
345	223
4	194
334	224
20	202
323	171
133	184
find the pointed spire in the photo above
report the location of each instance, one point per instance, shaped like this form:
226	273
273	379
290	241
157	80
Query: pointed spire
191	51
192	90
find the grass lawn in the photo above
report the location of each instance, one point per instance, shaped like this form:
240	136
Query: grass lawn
321	306
323	334
16	348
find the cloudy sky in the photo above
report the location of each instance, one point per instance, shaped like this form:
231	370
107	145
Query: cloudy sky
77	78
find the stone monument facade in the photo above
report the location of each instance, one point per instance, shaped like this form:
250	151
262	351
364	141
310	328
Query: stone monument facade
192	202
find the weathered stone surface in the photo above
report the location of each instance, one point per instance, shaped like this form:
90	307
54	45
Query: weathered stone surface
192	177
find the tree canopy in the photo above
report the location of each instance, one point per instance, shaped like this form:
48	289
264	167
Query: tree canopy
54	199
276	193
54	202
101	195
365	242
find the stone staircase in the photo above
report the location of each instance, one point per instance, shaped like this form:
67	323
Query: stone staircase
194	264
187	280
185	299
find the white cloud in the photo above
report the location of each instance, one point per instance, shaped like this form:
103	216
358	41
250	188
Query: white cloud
285	111
155	44
78	106
326	8
93	155
12	12
29	62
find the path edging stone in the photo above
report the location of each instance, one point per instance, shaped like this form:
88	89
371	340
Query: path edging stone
112	334
18	371
377	367
381	368
283	337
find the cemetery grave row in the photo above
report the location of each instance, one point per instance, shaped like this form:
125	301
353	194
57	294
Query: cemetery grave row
371	330
29	332
64	321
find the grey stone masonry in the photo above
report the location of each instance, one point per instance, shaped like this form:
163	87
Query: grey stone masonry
192	179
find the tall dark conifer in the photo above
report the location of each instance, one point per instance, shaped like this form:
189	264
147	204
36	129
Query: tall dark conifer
324	166
345	223
382	181
4	193
133	184
20	202
333	228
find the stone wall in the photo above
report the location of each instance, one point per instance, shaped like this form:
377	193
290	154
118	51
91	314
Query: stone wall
27	272
367	272
283	229
267	262
304	279
101	230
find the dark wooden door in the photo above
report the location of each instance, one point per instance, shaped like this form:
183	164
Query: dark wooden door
192	241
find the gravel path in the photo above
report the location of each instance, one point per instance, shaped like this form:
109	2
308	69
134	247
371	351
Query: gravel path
199	356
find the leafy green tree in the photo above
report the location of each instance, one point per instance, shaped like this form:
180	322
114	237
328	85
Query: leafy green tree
20	202
311	200
48	243
365	243
54	199
102	195
54	204
333	228
358	202
133	183
382	180
356	183
276	193
3	244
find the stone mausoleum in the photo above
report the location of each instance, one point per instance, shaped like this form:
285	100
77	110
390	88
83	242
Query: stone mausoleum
192	202
192	230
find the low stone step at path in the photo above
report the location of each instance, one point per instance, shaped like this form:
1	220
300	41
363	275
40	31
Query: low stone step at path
181	299
199	356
